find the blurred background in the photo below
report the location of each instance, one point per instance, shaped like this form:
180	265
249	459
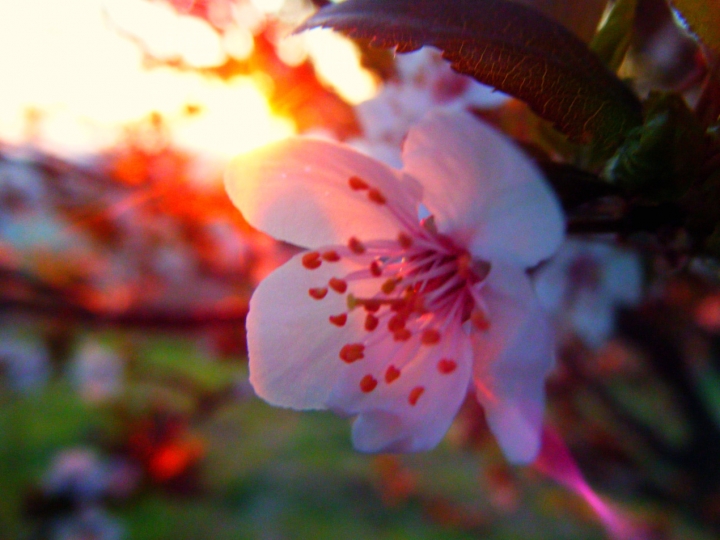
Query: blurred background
125	276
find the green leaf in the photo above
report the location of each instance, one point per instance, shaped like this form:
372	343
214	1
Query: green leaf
660	160
506	45
613	40
701	18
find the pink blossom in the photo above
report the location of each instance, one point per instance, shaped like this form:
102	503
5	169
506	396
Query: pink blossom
425	81
585	283
392	318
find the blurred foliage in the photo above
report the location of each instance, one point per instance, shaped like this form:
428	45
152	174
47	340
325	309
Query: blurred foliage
260	472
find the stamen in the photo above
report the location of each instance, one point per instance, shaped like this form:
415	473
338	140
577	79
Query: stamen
352	352
375	269
318	293
311	260
368	383
405	240
402	335
338	285
474	271
396	323
370	305
376	196
446	366
331	256
389	286
430	336
356	246
371	322
357	184
479	320
391	374
429	224
400	305
338	320
415	394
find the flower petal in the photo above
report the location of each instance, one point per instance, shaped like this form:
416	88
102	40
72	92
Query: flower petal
512	360
482	190
411	410
292	346
298	191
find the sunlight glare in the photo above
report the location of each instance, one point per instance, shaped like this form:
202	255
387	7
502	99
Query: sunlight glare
337	61
71	81
268	6
167	34
236	119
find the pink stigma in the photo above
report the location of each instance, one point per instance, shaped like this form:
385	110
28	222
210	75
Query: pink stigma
556	462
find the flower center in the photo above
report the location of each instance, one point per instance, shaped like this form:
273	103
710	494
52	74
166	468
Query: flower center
417	291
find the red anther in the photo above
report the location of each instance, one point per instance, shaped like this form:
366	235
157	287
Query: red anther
430	336
391	374
464	260
338	320
415	394
429	224
371	322
368	383
389	286
398	305
356	246
402	335
371	305
331	256
479	320
318	293
375	269
311	260
418	304
473	271
405	240
376	196
352	352
338	285
446	366
396	322
357	184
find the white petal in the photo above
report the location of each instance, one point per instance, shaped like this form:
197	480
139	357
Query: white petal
483	191
551	283
292	346
484	97
297	190
387	153
387	421
512	360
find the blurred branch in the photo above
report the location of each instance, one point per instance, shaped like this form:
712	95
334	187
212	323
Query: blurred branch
656	443
660	332
21	293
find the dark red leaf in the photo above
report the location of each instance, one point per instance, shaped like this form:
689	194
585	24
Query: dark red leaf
506	45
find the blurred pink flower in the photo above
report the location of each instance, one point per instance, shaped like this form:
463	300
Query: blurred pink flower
97	372
424	81
585	283
393	318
